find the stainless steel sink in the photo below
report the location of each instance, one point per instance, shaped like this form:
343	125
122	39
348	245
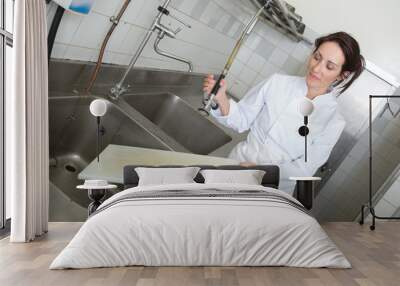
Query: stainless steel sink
73	139
148	117
179	120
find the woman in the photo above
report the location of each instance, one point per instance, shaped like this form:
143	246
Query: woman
270	110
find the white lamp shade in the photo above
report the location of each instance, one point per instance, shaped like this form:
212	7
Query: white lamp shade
98	107
306	107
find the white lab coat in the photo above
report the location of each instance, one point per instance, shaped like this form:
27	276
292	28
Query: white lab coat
270	111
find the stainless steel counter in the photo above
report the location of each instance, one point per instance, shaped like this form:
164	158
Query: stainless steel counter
158	112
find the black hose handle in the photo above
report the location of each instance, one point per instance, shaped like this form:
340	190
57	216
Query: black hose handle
216	88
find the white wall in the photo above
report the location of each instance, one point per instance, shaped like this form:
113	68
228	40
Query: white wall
390	202
375	24
216	26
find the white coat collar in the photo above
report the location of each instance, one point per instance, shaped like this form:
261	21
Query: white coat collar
325	99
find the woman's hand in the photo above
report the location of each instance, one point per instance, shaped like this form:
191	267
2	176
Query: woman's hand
247	164
221	98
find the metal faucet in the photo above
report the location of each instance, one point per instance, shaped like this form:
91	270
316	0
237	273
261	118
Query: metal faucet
164	31
119	88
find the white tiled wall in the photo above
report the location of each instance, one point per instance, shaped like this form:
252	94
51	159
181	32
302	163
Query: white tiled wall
390	203
347	188
387	139
215	27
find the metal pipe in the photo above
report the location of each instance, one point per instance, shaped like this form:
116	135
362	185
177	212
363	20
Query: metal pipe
118	89
285	13
275	19
166	54
115	22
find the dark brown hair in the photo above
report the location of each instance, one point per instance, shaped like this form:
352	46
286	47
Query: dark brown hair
354	62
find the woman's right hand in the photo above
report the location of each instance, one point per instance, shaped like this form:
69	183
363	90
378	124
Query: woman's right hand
221	98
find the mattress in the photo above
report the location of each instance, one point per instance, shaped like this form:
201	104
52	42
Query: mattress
201	225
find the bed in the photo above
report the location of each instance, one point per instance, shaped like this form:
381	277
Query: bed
201	224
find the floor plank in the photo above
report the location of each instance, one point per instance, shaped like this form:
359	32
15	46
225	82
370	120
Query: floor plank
374	255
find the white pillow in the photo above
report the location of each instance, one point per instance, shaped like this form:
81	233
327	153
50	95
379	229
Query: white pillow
162	176
248	177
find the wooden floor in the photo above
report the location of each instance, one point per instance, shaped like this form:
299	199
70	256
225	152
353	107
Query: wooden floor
375	257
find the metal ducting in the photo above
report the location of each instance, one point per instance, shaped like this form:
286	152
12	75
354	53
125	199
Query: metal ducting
283	16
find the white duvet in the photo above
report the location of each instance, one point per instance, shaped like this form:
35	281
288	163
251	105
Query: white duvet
200	231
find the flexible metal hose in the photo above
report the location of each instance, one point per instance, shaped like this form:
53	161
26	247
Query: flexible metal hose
104	44
208	100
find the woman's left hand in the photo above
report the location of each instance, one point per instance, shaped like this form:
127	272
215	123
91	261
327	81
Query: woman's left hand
247	164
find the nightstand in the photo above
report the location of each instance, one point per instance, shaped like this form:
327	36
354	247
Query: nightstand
97	190
304	191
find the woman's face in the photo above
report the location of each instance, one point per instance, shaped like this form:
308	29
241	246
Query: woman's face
325	66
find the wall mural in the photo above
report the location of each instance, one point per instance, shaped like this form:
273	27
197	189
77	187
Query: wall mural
153	108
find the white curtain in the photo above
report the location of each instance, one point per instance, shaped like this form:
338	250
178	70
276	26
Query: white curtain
27	168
